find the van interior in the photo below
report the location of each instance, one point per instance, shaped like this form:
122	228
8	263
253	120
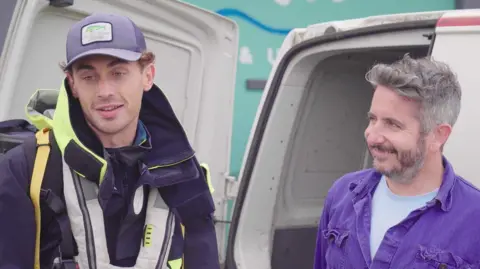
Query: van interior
313	136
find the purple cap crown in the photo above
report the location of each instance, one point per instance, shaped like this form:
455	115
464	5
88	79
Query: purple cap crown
105	34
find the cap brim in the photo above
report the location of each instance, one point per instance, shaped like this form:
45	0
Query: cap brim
126	55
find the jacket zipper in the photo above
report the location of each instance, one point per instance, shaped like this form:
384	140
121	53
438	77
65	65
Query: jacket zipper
170	164
89	239
166	240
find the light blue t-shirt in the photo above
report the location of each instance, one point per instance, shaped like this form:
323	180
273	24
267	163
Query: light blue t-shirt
388	209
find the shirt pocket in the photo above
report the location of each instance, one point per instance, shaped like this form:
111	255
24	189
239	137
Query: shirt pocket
432	257
336	253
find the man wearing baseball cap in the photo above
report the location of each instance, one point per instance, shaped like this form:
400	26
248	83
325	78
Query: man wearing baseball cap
122	186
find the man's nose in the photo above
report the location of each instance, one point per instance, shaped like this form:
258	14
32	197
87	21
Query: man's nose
105	88
373	135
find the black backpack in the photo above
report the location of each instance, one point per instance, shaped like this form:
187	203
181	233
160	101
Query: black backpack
18	132
14	133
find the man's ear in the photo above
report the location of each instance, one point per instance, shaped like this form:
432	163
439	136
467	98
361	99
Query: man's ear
71	83
441	133
148	76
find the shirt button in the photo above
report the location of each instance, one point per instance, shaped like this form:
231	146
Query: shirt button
442	266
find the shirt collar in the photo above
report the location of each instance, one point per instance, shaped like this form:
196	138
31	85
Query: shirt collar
444	195
141	135
367	183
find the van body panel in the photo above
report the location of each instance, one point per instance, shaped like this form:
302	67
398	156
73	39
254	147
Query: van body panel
455	45
196	55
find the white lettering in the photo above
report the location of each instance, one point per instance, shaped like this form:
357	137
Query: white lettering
271	58
245	56
283	3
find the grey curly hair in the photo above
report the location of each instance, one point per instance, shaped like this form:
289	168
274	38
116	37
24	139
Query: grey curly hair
431	83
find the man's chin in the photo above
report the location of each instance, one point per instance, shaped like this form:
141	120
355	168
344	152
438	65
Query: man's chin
109	127
382	167
393	174
112	128
384	161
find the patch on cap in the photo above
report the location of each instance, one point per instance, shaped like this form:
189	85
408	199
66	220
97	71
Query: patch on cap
97	32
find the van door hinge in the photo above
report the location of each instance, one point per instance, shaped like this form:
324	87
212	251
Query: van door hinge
231	187
429	36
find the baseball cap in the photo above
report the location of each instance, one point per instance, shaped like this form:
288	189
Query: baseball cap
105	34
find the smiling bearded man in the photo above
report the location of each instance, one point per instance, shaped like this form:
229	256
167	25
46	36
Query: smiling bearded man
410	210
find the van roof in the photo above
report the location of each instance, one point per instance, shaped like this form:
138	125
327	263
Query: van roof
320	29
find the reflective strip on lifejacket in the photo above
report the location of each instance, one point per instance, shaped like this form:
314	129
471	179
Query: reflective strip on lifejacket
175	264
208	177
86	218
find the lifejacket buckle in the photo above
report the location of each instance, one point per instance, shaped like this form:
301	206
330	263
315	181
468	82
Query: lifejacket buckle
65	264
70	264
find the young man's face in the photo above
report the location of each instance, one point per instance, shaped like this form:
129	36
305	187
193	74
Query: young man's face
110	91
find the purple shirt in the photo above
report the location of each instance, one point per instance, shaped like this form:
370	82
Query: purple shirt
443	234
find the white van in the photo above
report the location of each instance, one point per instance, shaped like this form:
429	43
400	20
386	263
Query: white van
309	126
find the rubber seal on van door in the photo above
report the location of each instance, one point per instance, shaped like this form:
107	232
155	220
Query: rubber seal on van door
270	100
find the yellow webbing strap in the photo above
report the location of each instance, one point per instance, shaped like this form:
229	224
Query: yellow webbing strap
43	151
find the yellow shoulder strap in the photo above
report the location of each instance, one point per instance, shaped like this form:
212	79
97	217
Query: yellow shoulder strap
43	151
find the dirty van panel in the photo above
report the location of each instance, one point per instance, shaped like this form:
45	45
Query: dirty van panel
308	134
192	46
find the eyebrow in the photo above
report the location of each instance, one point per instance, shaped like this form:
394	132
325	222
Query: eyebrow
371	115
84	66
399	123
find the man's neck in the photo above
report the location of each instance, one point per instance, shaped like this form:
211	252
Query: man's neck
428	179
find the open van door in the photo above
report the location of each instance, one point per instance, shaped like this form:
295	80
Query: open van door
309	132
196	53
